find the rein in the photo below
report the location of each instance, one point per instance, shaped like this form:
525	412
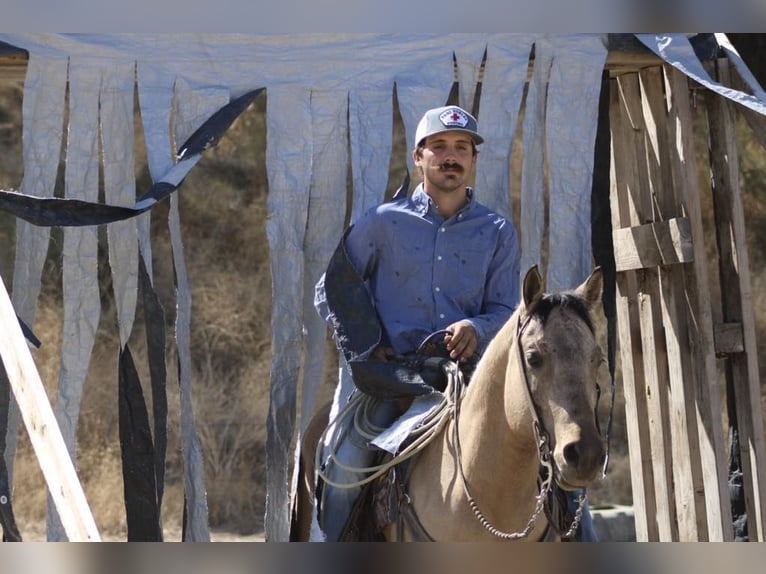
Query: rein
544	453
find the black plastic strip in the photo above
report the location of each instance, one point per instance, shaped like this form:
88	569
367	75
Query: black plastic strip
142	511
601	240
66	212
210	132
28	334
154	320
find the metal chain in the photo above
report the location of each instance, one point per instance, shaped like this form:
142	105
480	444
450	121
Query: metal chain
577	517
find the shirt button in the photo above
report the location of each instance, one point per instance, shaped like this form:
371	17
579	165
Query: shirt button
441	316
442	229
438	257
437	289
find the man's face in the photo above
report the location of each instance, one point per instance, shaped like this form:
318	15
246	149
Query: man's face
447	161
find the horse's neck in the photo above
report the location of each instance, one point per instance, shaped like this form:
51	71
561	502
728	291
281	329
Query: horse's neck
495	415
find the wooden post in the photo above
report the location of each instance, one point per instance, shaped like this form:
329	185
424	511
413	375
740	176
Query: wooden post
709	423
737	309
43	430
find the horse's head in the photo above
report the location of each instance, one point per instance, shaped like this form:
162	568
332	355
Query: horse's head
559	356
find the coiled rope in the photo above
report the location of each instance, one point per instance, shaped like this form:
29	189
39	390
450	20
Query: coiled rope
362	405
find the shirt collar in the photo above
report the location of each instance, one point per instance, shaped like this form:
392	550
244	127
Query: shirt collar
423	201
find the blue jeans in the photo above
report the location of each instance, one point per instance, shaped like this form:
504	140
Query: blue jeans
351	449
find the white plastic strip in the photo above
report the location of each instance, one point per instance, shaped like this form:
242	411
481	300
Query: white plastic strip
82	305
44	89
192	108
533	170
324	226
468	57
118	141
288	157
505	74
371	121
571	120
43	114
155	97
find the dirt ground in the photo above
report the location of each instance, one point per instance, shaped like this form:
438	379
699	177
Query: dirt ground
37	534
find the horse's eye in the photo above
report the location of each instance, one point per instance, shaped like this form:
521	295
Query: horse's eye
534	358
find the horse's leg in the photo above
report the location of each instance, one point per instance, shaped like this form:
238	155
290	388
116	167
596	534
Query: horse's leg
303	503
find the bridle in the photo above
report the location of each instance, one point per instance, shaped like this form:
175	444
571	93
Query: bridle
542	439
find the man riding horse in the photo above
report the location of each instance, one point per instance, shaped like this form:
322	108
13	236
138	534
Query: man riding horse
433	270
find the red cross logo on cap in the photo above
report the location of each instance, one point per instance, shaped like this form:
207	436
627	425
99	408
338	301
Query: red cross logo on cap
454	117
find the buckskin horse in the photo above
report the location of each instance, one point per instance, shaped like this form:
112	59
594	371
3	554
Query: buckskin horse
524	429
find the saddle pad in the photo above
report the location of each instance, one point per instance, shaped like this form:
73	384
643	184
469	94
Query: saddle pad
391	439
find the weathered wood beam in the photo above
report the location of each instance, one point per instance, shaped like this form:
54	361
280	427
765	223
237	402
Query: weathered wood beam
43	430
653	244
728	338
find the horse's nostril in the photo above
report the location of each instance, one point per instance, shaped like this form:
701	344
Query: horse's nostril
572	454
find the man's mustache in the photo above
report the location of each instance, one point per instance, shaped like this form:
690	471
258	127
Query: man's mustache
450	166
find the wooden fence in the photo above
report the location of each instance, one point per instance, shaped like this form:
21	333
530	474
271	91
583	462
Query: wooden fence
685	327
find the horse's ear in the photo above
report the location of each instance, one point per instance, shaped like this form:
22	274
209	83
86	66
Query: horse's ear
592	287
532	287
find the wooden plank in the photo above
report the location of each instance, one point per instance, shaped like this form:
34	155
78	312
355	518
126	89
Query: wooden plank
728	338
682	432
655	371
629	332
652	336
709	424
736	295
653	244
43	430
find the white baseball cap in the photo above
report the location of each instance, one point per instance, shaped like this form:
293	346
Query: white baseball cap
447	119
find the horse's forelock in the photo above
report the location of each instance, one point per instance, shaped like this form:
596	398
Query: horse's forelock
565	300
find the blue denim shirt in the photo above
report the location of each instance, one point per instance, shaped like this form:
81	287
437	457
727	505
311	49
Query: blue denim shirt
424	272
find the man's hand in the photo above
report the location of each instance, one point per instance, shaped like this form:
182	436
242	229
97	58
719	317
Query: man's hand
461	340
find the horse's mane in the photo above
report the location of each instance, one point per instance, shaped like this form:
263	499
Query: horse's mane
566	300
